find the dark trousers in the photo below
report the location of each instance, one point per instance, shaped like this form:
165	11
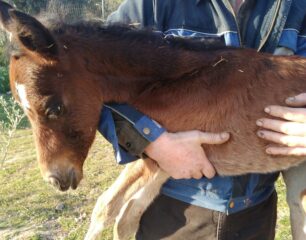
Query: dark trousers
170	219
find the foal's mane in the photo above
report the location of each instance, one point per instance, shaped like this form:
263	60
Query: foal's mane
95	29
148	59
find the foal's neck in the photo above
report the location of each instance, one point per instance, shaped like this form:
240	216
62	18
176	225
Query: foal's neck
126	65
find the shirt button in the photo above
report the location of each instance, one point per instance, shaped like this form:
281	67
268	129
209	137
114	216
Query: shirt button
146	131
232	204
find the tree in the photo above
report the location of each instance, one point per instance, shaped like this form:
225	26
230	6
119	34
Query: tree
30	6
93	6
109	6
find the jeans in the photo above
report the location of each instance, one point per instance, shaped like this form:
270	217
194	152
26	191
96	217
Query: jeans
170	219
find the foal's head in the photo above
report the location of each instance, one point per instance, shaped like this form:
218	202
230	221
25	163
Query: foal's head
61	103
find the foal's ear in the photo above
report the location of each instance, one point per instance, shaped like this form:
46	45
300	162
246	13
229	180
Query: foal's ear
30	34
5	18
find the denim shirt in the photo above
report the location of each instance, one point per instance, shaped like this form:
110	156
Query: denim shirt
264	25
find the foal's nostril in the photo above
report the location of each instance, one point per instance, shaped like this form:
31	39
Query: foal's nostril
54	182
73	180
58	184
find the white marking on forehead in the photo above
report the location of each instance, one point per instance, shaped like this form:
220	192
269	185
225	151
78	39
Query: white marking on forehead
21	90
10	36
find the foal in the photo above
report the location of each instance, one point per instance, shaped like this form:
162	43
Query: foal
63	74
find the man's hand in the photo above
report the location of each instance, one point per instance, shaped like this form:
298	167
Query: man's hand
181	154
289	132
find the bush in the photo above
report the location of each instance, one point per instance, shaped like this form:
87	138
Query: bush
3	58
4	80
11	117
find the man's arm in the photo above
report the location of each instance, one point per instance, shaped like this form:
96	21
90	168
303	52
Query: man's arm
180	154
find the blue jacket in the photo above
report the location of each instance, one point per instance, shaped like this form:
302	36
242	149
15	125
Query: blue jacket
260	24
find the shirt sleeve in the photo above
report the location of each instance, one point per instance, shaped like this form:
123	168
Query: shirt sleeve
128	130
301	50
135	12
294	39
122	14
301	41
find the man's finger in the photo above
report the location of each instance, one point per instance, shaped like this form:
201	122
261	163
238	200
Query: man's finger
208	170
197	175
297	101
288	113
289	128
293	151
208	174
279	138
213	138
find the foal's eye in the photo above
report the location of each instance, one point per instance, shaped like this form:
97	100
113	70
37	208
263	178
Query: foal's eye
55	112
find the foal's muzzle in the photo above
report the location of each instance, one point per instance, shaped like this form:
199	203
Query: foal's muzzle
63	183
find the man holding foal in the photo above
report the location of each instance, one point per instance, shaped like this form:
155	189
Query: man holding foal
195	203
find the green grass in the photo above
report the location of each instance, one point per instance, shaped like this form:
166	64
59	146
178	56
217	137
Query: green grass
28	205
283	221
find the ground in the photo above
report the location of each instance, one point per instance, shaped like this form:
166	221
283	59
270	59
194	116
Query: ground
31	209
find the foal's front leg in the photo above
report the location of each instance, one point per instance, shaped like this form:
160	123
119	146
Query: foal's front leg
128	220
295	179
111	201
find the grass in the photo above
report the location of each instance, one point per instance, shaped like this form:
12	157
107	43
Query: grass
28	205
283	221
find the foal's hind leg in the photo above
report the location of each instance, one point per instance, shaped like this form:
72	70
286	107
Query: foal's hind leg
295	179
128	220
111	201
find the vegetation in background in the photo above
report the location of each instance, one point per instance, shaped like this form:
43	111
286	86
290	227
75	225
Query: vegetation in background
35	7
29	6
4	83
10	118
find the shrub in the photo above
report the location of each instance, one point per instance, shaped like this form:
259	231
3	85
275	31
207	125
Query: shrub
4	80
11	116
